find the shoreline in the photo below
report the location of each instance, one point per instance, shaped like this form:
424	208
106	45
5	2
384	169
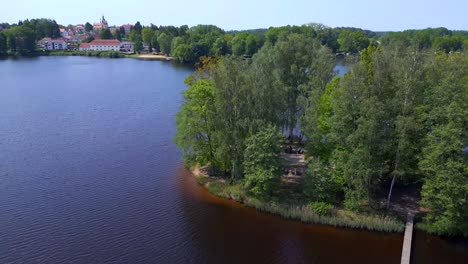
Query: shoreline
152	57
97	54
301	213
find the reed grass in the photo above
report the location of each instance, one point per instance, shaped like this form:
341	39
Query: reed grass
304	213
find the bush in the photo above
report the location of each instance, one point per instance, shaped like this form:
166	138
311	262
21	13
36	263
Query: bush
201	179
218	188
321	208
319	185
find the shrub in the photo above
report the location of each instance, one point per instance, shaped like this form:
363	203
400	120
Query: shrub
321	208
201	179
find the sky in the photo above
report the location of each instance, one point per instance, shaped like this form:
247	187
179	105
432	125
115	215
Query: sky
388	15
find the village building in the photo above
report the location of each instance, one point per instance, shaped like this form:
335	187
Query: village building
104	45
85	47
76	38
54	44
127	28
127	46
101	24
63	32
79	29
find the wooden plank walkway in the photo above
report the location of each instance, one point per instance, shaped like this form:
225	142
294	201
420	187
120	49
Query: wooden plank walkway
406	252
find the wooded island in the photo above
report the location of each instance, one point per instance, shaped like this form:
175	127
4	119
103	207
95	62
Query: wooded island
397	122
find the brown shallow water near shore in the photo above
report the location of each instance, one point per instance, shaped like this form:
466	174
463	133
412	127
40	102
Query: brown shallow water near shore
245	234
266	238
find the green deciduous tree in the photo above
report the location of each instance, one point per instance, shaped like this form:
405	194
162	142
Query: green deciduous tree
147	37
3	44
353	41
136	39
138	28
21	40
320	183
262	161
88	27
195	124
105	33
117	35
444	159
164	41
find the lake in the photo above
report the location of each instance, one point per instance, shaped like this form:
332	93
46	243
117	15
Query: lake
89	174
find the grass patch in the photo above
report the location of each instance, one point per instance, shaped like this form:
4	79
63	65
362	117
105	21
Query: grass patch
225	190
321	208
202	179
295	209
343	218
99	54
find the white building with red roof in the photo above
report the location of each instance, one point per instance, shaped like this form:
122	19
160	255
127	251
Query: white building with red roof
85	46
105	45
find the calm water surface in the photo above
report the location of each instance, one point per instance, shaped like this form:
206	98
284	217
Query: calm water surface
89	174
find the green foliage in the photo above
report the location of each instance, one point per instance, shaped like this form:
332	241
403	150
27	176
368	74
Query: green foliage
353	41
164	41
438	38
136	39
43	28
225	190
444	160
316	122
147	35
99	54
88	27
238	44
319	182
117	35
105	33
449	43
341	219
3	44
138	28
195	125
262	162
201	179
21	40
88	39
321	208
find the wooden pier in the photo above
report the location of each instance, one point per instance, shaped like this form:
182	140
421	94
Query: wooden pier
406	252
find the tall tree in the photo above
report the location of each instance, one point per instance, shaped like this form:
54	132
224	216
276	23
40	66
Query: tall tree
444	156
21	40
136	38
262	161
88	27
105	33
302	66
117	35
3	44
195	124
138	28
147	37
164	41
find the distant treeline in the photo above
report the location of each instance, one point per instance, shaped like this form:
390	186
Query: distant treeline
189	44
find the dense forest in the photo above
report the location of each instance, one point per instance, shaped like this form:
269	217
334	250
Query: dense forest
398	118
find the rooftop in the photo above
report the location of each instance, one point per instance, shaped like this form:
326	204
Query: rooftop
105	42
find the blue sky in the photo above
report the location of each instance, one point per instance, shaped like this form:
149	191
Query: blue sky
245	14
